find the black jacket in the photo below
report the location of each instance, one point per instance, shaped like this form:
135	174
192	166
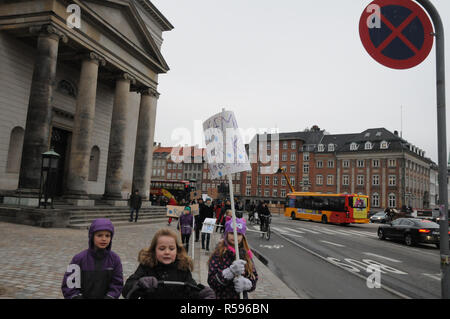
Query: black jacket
161	272
205	212
135	201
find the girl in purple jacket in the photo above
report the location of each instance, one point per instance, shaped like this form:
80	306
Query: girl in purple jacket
95	273
185	225
227	276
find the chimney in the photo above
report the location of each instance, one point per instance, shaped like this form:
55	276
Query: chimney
396	133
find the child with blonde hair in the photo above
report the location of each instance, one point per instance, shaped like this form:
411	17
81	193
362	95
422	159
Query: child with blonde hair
165	260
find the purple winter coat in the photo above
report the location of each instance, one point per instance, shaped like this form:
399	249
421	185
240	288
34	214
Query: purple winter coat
186	222
94	273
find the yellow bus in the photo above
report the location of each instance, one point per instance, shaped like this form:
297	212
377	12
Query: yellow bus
341	209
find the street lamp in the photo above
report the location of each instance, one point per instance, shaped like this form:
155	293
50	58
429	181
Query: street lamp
49	171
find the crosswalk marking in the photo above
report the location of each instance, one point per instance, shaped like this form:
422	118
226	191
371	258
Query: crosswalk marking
379	256
322	230
295	230
437	276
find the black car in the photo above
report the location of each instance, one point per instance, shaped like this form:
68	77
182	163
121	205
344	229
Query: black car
379	217
411	230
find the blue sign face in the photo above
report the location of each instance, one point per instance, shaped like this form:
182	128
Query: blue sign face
396	33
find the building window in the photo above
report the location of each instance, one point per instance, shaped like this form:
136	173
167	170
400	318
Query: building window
275	180
306	156
320	148
293	157
319	180
392	180
169	175
392	163
375	200
392	201
376	180
360	180
283	193
345	179
345	163
353	147
375	163
275	193
249	179
319	164
306	168
285	145
284	157
368	146
293	145
330	180
331	164
292	179
248	191
360	163
283	181
330	147
292	169
384	145
267	180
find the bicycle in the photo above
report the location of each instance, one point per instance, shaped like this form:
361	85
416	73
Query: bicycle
265	227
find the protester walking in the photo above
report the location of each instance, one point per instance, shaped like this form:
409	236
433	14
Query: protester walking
95	273
206	211
135	205
165	260
185	223
227	276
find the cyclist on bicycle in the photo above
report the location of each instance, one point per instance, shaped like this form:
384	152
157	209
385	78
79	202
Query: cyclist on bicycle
264	214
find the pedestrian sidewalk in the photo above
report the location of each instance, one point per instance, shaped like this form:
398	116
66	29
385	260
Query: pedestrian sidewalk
269	286
33	259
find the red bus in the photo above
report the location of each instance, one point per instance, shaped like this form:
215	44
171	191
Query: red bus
178	189
328	208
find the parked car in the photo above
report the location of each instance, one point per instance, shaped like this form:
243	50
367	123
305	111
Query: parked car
379	217
411	230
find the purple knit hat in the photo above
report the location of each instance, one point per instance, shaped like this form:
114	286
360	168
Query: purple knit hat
241	226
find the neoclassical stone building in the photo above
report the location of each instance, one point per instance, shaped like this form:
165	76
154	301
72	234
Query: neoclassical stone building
89	93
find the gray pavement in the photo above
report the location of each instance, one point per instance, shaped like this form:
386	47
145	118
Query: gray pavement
33	260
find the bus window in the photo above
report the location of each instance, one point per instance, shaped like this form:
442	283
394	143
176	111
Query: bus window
290	201
299	202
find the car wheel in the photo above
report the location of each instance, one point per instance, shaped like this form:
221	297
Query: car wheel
381	234
409	240
324	219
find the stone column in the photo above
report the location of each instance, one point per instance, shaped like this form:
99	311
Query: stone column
39	114
144	142
77	182
117	140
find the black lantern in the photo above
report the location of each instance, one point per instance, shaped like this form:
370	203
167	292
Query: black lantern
49	171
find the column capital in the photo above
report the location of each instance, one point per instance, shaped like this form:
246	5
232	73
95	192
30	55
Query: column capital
148	91
92	56
50	31
125	76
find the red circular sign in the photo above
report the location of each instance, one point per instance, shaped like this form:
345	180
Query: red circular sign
396	33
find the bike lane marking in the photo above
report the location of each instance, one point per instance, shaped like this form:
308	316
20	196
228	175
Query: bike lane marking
344	267
379	256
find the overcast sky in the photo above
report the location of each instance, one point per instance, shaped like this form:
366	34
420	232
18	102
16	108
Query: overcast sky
289	64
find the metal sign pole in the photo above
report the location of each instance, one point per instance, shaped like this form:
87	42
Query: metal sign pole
442	145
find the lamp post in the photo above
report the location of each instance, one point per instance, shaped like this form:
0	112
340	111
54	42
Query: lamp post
49	171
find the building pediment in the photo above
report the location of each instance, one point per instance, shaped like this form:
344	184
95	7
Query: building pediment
122	19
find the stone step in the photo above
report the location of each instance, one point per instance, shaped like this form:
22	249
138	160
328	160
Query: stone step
86	225
74	218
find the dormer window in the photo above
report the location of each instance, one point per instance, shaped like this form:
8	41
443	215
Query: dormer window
330	147
378	134
384	145
368	146
320	148
353	147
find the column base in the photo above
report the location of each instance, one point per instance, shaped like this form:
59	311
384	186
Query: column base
116	203
81	202
22	201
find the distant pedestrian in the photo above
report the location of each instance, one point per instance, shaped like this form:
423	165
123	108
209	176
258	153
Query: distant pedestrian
135	205
223	214
164	260
185	225
206	211
227	276
172	202
95	273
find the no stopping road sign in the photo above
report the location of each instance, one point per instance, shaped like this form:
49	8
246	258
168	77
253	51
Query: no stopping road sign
396	33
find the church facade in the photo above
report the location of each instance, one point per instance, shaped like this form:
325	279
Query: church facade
87	91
